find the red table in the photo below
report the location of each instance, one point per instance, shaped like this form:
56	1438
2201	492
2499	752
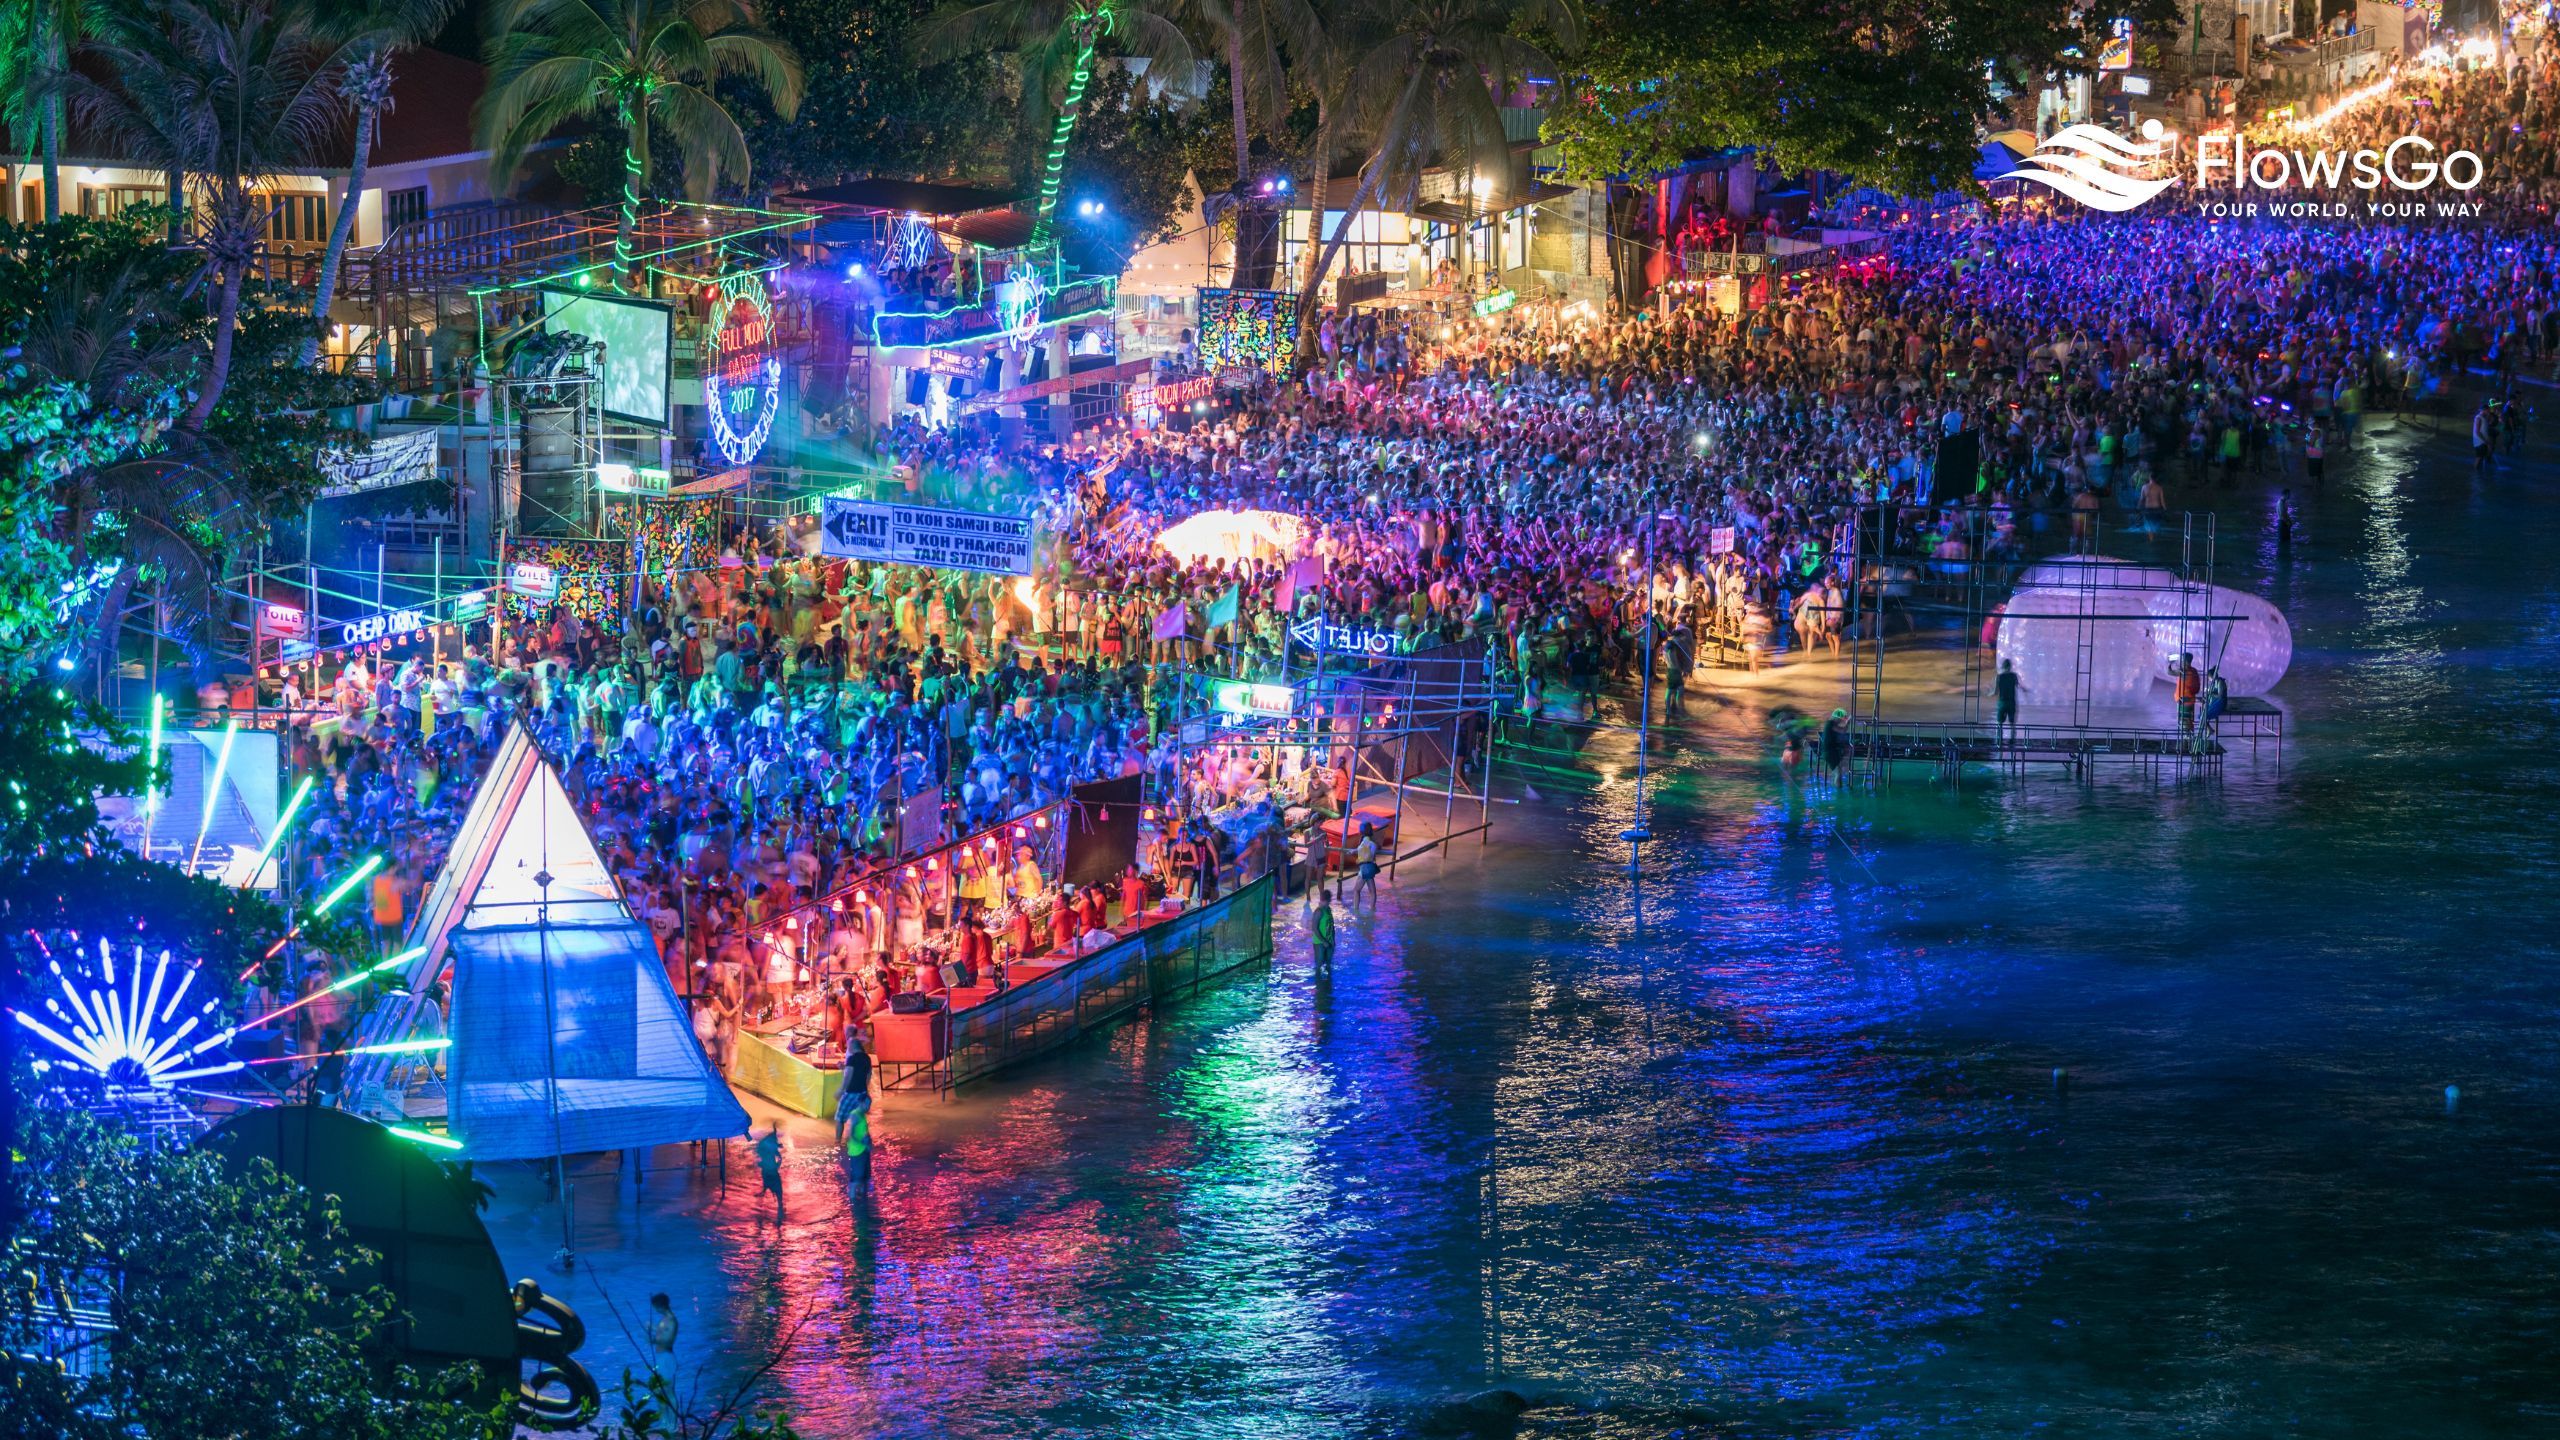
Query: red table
917	1039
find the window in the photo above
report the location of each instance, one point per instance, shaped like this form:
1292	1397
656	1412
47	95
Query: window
296	217
102	201
400	207
1379	241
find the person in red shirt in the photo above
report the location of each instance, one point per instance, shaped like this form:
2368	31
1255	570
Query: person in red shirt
1133	896
1062	925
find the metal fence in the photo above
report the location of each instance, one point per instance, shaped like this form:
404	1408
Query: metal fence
1162	962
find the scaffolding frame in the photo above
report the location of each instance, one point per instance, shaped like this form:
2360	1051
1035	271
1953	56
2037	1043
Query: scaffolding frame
1889	577
1366	721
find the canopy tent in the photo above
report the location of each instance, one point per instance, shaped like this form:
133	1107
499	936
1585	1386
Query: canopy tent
1233	535
566	1035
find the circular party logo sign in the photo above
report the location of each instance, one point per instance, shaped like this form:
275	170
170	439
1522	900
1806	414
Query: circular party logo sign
742	386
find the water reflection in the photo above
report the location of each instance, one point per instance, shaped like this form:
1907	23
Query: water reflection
1767	1140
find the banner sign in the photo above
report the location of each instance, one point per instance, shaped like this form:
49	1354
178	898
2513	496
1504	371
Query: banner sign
390	460
1252	329
535	582
1168	394
2117	52
924	535
953	365
1720	540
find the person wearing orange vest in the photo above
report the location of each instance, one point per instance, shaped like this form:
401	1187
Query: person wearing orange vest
389	905
2189	684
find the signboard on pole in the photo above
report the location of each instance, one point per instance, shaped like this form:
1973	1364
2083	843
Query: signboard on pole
1720	540
1248	700
283	622
925	535
615	478
534	582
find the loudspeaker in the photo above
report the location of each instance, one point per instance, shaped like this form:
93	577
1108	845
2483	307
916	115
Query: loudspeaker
558	493
1958	468
919	386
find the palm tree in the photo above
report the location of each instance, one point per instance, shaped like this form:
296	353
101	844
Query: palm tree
237	92
1428	77
644	64
1255	33
37	38
1327	76
374	33
1053	41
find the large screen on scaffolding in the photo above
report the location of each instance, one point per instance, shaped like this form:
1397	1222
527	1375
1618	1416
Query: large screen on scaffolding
638	337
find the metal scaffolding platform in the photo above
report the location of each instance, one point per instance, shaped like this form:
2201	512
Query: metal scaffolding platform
1946	563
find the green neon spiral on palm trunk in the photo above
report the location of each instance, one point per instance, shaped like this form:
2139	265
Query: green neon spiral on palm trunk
1051	175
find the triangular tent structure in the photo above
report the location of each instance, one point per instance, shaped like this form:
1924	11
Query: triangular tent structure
566	1035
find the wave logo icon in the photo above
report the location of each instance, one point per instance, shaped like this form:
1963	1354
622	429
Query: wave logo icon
2096	167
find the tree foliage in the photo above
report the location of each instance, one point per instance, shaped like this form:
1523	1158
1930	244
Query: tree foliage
111	328
1130	151
61	871
1893	94
872	105
232	1310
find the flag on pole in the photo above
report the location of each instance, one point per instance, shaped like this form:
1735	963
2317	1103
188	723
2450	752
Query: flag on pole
1173	622
1223	611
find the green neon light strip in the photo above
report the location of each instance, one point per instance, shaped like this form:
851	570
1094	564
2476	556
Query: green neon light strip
996	334
402	1047
424	1137
213	792
159	708
371	864
774	220
267	852
1051	176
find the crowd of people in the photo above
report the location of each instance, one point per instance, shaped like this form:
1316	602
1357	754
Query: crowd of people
747	738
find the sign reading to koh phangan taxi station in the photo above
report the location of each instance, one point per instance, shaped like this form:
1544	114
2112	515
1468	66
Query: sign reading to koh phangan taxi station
926	535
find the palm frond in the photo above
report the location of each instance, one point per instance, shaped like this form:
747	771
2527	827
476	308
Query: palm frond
713	146
756	56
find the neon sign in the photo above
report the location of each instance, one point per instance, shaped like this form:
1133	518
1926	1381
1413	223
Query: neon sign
1325	635
1245	699
1497	302
1018	301
742	387
382	625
